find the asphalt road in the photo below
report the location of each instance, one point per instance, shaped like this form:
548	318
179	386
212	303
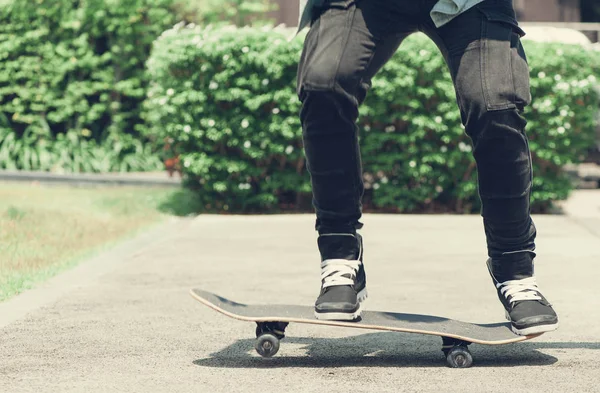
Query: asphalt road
124	321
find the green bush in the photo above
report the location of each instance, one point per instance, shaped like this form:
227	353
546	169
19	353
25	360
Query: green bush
72	81
225	100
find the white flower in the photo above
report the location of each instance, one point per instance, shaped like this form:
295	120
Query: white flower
245	49
213	85
170	92
564	112
561	130
464	147
412	164
541	74
376	186
438	119
557	77
276	111
289	149
265	82
444	149
225	57
245	123
187	129
247	144
385	180
211	123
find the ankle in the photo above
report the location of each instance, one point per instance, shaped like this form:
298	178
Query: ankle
334	226
512	266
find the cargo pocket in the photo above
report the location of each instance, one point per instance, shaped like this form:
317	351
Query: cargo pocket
503	62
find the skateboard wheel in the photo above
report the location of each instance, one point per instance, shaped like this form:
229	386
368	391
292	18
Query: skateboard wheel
267	345
459	357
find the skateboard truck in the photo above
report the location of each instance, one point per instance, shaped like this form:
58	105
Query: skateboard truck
268	335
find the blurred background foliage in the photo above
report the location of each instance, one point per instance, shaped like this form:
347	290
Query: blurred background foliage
73	78
225	99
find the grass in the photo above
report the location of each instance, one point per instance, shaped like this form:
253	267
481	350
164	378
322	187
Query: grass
47	229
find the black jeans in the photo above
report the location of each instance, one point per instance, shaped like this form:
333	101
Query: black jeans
350	40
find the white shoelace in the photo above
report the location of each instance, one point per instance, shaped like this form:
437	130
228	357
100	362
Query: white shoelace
335	272
518	290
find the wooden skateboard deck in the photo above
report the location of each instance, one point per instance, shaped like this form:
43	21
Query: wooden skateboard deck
272	320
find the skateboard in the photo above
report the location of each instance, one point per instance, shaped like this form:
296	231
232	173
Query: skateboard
272	320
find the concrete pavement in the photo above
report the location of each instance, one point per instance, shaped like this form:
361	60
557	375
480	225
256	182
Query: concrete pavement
131	325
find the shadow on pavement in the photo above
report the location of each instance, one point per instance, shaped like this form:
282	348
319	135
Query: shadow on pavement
382	350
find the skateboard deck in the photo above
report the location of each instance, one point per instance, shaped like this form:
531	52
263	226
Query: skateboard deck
272	319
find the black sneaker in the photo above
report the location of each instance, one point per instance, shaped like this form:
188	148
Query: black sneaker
343	279
526	308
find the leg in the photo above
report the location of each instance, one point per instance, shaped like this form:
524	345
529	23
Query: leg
491	76
348	42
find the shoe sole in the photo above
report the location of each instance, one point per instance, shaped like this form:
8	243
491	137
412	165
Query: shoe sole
343	316
539	329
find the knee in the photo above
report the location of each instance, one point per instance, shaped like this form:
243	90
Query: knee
475	105
317	77
327	77
329	95
492	111
479	106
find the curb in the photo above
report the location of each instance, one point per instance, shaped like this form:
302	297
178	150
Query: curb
125	179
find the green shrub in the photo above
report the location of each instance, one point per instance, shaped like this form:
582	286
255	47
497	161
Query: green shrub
225	100
564	115
72	81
